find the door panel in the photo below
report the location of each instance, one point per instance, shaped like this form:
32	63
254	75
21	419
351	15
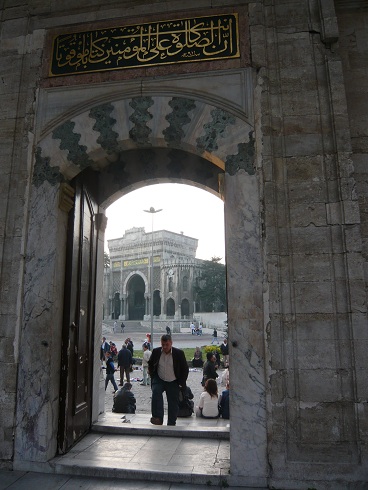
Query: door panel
78	323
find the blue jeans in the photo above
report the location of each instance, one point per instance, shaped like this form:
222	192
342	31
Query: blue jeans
145	375
172	394
110	377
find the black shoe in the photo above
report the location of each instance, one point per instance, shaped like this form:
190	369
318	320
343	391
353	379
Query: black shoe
156	421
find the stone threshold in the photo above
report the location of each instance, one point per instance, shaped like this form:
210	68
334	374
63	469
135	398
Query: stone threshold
129	428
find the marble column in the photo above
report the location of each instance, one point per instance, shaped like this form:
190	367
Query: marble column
40	335
246	336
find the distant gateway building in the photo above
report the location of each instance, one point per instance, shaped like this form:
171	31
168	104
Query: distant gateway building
175	272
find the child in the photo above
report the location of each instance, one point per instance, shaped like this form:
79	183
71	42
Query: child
110	370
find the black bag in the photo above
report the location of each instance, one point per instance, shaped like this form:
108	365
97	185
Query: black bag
186	406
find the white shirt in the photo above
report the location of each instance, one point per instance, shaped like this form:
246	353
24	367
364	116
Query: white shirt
165	368
208	404
146	356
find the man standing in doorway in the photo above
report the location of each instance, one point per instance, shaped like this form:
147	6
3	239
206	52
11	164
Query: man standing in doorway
169	371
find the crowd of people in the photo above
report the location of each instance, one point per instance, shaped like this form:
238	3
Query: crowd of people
166	370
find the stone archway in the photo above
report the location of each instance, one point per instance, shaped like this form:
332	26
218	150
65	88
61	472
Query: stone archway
131	142
185	308
135	298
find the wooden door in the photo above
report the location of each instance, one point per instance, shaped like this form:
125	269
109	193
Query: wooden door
78	323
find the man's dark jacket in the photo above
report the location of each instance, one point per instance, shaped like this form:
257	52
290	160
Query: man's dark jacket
125	358
180	364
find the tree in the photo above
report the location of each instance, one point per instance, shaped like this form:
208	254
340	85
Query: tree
106	260
211	287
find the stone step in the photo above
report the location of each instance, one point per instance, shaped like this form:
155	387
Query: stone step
139	424
124	426
194	461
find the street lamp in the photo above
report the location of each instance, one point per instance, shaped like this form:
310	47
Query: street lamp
152	211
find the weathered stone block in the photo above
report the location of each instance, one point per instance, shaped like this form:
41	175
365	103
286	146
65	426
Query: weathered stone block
312	214
317	385
307	192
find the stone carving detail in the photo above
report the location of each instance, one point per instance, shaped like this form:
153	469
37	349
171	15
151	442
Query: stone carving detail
177	119
215	129
104	124
44	172
70	142
244	159
140	132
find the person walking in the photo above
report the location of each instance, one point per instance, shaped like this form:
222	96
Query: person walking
146	357
110	370
169	371
125	362
122	326
214	336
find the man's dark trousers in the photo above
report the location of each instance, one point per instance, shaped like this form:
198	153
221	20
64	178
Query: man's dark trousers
172	393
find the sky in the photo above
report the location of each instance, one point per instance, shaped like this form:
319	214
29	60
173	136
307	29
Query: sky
185	208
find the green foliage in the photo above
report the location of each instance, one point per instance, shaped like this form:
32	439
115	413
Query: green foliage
211	288
211	348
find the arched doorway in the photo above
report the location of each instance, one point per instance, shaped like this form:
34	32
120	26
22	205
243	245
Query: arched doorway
195	140
185	308
136	304
116	306
156	303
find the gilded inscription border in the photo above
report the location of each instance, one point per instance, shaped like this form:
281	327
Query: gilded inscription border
186	40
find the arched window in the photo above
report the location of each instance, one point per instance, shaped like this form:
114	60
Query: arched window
185	283
170	285
170	307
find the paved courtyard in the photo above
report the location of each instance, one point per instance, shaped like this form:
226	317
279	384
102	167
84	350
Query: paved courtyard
180	340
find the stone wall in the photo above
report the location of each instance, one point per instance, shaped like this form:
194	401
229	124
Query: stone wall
296	226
